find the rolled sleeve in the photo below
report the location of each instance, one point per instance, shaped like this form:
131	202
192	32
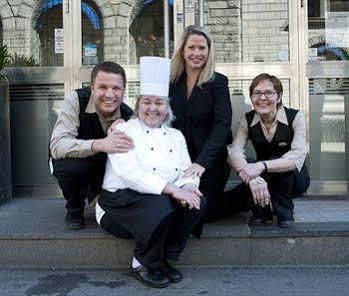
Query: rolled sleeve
237	148
298	151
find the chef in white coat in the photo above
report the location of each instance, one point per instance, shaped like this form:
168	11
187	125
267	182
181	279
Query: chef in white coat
145	193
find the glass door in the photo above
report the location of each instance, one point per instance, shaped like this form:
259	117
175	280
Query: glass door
326	63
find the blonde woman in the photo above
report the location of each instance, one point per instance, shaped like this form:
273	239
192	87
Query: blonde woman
201	103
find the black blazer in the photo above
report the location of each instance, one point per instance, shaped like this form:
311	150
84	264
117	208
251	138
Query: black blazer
204	119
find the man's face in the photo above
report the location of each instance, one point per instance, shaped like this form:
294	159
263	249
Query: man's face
107	92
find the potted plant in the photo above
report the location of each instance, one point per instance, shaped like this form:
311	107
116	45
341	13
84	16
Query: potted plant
5	153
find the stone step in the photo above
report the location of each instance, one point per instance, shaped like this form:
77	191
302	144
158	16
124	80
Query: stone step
32	235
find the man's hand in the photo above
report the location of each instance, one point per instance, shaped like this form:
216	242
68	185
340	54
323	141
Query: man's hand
115	142
260	192
194	170
250	171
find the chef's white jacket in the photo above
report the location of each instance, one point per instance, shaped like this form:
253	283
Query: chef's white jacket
160	156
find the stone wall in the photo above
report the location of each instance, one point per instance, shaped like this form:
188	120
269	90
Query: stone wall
222	20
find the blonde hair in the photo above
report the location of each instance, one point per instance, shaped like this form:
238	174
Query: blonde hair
178	63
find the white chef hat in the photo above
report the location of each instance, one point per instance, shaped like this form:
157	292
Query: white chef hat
155	76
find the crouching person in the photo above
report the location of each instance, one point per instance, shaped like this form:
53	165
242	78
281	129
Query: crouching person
278	135
79	141
145	195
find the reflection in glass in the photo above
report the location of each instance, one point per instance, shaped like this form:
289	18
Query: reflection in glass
147	29
47	40
329	131
328	23
249	31
92	34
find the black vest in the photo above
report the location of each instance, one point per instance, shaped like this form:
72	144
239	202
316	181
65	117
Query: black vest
280	144
90	125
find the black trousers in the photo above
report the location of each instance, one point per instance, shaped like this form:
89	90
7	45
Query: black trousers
159	225
220	204
80	178
282	190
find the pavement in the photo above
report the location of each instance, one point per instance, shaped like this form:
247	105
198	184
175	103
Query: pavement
213	281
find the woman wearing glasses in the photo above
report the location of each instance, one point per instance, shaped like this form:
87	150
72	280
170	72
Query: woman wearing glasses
278	135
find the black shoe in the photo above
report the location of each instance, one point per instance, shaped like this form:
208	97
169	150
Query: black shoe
74	220
155	278
173	273
256	221
285	223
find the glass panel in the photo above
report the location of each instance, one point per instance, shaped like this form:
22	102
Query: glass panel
240	102
46	40
147	29
249	31
34	111
92	34
329	129
328	22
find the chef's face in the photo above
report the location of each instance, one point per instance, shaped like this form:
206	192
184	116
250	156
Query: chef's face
152	110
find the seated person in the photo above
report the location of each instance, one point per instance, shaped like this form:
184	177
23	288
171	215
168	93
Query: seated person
278	135
145	195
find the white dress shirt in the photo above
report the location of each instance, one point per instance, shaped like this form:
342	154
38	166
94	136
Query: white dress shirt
298	151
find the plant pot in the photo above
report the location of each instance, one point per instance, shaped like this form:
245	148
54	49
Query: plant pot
5	142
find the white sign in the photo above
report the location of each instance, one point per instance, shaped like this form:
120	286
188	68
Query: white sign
337	32
312	54
59	41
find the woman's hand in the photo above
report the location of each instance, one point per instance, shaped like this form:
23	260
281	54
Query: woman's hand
260	192
194	170
186	197
250	171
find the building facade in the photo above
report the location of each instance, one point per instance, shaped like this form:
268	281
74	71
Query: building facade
55	43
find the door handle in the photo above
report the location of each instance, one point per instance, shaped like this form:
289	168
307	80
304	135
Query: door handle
67	6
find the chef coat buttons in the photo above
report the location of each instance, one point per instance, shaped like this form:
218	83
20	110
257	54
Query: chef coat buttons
171	150
152	148
154	169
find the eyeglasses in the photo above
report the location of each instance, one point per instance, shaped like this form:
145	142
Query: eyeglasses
268	94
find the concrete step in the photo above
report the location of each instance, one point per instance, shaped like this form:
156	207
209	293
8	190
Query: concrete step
32	235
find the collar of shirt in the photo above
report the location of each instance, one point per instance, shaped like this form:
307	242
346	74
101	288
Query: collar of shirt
280	117
152	130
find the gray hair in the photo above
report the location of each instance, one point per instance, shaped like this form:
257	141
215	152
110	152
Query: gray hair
169	116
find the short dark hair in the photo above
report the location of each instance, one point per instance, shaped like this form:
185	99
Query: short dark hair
273	79
108	67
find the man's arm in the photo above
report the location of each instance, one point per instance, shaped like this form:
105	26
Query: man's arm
63	142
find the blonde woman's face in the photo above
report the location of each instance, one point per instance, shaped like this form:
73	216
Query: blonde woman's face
195	52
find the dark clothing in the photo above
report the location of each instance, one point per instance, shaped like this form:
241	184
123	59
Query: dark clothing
81	178
282	186
205	121
158	223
